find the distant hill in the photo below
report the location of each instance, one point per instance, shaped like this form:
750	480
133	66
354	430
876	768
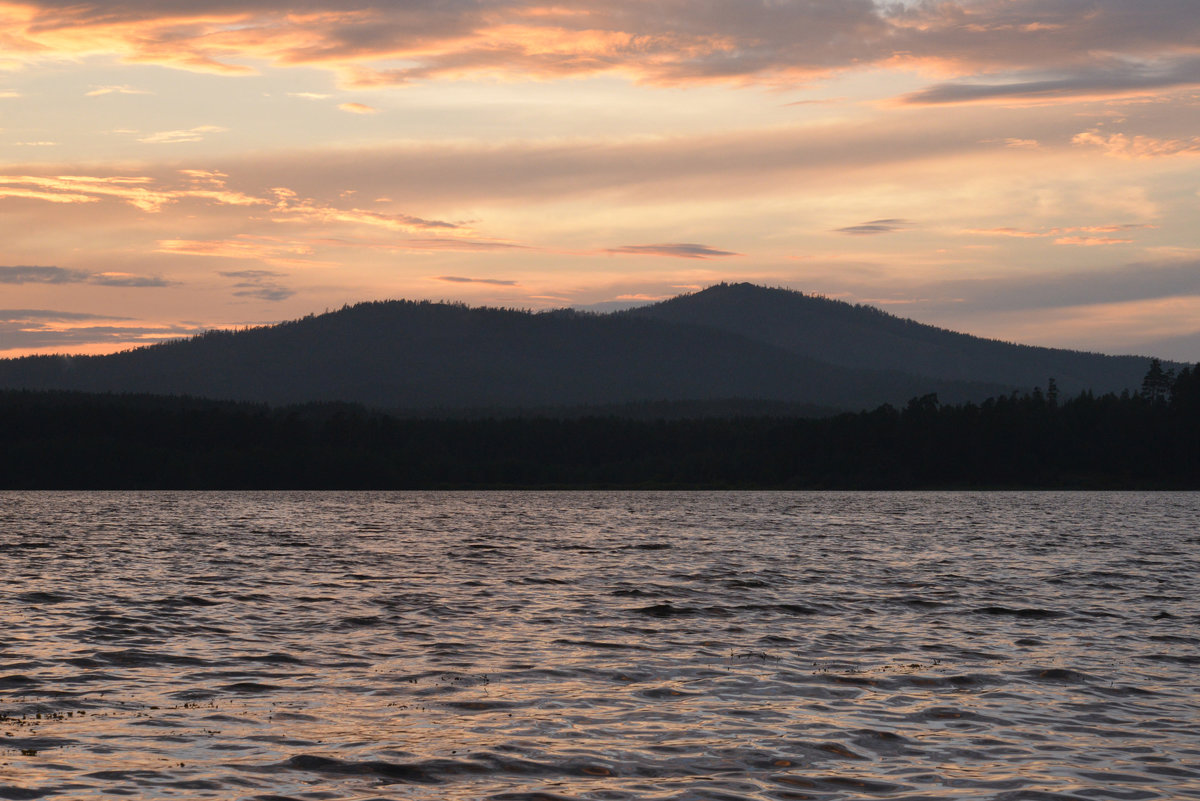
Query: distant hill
864	337
728	347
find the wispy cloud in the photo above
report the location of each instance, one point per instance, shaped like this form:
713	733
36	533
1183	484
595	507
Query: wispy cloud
196	134
1014	142
1122	284
142	192
1070	235
269	250
451	244
1121	78
44	329
61	275
874	227
457	279
1122	145
289	207
259	284
42	275
680	250
1006	231
121	89
456	245
152	195
358	108
1091	241
49	315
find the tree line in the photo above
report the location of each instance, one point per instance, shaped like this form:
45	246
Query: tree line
1147	439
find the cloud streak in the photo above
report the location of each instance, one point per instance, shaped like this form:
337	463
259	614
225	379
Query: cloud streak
150	194
49	315
196	134
268	250
1135	281
61	275
1121	79
678	250
1083	235
456	279
113	89
141	192
259	284
875	227
41	329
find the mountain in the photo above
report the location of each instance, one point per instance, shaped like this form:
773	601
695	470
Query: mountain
760	347
864	337
422	356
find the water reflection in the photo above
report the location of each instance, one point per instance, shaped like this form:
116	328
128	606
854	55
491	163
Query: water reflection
599	645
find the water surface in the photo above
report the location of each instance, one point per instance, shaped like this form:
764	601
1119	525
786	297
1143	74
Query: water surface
598	645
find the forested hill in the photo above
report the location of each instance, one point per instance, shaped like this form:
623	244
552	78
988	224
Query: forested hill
421	356
728	343
867	338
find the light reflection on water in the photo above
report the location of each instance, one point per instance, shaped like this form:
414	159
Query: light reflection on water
599	645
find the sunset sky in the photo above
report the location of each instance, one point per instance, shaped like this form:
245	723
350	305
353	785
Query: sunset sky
1020	169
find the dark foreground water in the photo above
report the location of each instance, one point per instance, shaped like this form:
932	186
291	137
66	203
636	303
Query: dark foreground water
599	646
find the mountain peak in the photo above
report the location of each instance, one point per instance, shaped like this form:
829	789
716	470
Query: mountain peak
865	337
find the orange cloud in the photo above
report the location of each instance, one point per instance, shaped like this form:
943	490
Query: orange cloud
290	209
1137	147
147	195
358	108
268	250
427	245
122	89
84	189
137	191
1013	232
196	134
1090	241
1061	233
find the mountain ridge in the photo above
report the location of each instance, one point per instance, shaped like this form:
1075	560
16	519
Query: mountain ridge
712	346
870	338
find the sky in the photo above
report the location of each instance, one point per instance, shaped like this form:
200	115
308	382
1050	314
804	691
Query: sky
1027	170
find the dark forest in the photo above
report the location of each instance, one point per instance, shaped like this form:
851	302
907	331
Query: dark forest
1038	440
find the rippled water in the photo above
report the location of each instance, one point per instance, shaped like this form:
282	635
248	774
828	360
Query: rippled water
599	646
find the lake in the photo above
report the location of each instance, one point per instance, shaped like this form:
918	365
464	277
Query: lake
600	645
